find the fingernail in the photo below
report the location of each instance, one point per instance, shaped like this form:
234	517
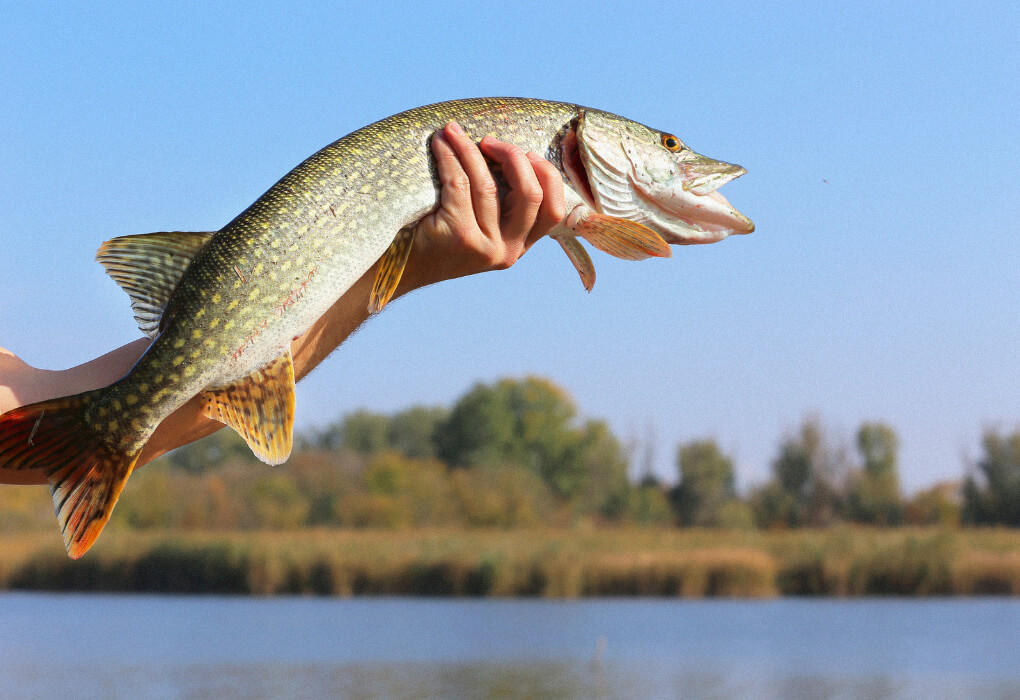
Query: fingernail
455	128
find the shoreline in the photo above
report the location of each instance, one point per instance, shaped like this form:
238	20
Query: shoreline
839	562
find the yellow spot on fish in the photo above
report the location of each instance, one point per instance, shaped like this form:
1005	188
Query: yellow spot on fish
103	412
116	405
216	298
189	370
177	360
197	333
232	305
135	425
374	160
253	295
274	243
365	189
209	343
228	325
195	354
258	269
237	284
112	425
200	313
179	343
381	194
213	323
131	399
143	387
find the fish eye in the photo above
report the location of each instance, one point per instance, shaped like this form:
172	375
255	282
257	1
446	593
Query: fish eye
671	143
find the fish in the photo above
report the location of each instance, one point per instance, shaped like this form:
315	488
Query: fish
221	308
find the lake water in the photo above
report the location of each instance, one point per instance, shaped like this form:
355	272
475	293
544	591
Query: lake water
137	646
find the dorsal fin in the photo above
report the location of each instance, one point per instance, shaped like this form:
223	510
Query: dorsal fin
148	267
260	408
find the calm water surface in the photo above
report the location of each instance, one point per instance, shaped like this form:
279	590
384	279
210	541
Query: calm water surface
132	646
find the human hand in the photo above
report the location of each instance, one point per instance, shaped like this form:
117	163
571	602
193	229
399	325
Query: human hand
473	230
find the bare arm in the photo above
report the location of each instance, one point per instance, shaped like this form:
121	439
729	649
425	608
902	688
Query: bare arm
470	232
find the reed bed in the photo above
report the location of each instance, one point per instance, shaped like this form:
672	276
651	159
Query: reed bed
556	563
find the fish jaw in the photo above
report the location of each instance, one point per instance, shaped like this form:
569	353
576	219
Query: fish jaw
632	174
704	215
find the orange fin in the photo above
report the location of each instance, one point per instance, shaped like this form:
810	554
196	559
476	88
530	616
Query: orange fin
621	238
85	474
260	408
580	259
148	267
391	267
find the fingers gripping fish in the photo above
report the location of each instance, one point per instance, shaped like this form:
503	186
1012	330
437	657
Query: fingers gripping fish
222	308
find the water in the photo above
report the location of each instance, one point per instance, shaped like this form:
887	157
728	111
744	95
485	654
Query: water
134	646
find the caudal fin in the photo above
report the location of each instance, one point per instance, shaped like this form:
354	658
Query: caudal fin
85	474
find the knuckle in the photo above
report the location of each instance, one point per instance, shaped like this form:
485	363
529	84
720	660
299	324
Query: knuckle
487	188
532	195
459	182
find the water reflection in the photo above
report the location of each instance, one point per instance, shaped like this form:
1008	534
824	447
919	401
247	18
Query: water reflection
88	646
475	680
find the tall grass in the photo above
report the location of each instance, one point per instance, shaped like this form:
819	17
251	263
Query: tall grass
560	563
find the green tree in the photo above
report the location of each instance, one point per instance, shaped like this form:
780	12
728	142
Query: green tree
411	432
365	432
529	422
805	473
601	475
937	505
706	483
873	491
210	452
991	492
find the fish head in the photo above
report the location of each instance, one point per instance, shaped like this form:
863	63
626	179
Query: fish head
627	170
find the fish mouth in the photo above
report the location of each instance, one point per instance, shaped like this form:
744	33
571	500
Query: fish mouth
698	204
686	212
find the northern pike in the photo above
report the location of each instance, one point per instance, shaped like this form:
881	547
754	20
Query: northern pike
222	308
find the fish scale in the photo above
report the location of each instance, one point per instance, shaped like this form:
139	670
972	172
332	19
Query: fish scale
223	307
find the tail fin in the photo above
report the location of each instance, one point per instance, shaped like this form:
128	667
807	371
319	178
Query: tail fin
85	474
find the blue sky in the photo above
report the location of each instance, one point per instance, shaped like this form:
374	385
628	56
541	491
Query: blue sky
881	141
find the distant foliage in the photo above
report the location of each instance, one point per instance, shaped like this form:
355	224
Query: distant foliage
211	452
706	483
873	490
805	488
532	423
991	492
517	453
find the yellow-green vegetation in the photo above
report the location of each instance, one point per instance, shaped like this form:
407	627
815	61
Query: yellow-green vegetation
510	492
560	562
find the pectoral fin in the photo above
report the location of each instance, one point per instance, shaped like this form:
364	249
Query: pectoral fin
580	259
260	408
620	238
391	267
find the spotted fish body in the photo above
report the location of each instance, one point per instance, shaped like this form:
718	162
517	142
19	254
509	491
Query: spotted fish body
222	308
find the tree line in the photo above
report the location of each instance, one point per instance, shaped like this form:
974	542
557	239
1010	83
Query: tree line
517	452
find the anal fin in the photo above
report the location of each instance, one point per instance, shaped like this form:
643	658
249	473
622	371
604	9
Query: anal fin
260	408
391	267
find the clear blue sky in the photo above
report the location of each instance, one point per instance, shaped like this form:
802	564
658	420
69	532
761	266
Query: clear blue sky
881	141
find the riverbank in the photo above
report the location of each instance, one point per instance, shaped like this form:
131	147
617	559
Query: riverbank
554	563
